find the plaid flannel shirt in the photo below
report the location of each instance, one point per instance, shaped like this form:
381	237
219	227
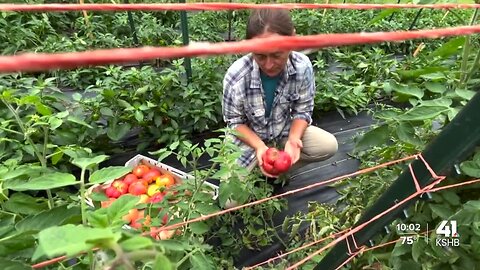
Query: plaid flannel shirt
243	100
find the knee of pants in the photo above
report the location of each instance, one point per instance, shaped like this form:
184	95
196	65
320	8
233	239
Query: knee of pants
324	147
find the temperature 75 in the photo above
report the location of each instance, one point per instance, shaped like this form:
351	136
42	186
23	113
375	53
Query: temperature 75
409	239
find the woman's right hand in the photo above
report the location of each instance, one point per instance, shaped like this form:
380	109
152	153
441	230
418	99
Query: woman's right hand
260	151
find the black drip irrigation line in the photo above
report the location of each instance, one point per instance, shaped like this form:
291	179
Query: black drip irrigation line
415	19
391	16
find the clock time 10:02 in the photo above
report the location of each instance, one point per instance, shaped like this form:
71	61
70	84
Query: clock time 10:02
410	227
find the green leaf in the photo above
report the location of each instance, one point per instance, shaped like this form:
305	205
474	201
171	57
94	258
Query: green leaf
433	76
22	170
465	94
109	173
418	248
388	114
406	133
43	110
439	102
206	209
470	168
435	87
72	239
76	120
441	210
199	227
450	197
174	145
409	90
413	74
6	264
162	263
383	14
199	262
422	113
114	212
139	116
374	137
43	220
408	265
47	181
57	157
449	48
118	131
84	163
136	243
106	111
25	204
54	122
173	245
125	104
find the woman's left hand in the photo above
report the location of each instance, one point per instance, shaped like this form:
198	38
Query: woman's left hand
293	148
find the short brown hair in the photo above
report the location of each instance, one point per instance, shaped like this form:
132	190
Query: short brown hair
272	20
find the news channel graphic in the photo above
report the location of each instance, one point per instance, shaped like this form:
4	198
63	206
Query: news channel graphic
446	233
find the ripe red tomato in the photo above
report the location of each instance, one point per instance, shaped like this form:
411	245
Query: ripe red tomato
120	186
151	175
270	155
165	180
283	162
157	197
130	178
112	192
116	189
137	188
140	170
276	162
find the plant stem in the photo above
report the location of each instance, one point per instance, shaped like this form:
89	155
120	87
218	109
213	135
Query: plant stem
82	194
29	140
198	189
186	257
44	164
10	130
466	52
275	232
24	130
121	258
476	64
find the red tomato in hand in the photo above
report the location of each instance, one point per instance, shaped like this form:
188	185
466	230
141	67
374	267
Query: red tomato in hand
140	170
137	188
276	162
270	155
283	162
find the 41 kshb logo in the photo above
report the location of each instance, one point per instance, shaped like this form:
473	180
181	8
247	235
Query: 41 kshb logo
447	229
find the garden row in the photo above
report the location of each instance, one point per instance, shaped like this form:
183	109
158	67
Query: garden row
46	133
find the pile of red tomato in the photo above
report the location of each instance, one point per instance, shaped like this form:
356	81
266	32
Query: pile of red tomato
151	186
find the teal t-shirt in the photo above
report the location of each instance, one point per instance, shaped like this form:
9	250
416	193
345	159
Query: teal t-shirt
269	85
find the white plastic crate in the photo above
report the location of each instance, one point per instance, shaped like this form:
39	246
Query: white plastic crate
177	174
